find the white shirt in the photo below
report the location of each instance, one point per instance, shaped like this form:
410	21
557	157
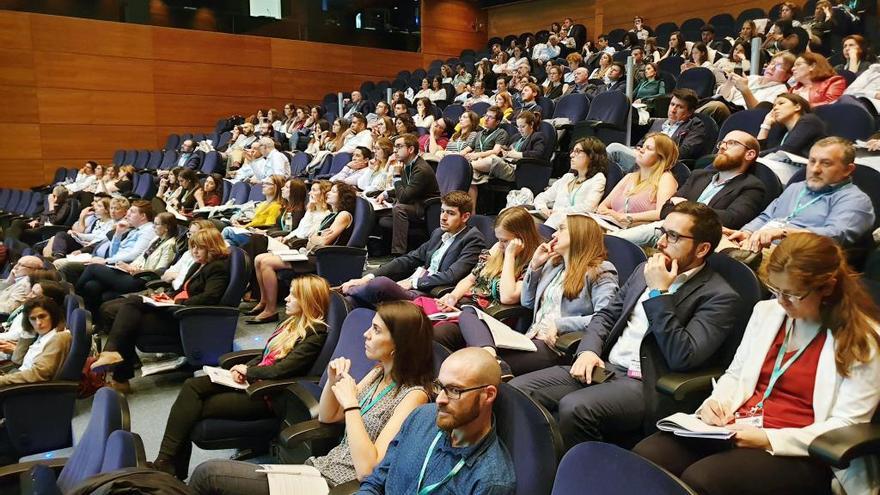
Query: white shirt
308	225
625	352
36	349
14	295
372	180
277	164
363	138
583	199
763	91
181	268
425	121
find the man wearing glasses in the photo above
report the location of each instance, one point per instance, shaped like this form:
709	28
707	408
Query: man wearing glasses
741	92
450	446
688	309
16	287
728	187
827	203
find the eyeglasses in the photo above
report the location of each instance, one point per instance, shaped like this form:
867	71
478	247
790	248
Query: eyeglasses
732	142
399	146
671	235
778	294
576	151
453	393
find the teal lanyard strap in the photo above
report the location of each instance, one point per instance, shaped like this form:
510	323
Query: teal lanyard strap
573	194
798	207
366	407
455	469
779	368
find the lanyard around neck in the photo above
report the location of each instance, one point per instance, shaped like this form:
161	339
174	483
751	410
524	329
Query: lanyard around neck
798	207
452	472
366	407
779	368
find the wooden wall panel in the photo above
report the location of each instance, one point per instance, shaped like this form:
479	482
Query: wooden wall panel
186	45
74	106
19	104
20	141
90	37
76	142
74	71
79	89
535	15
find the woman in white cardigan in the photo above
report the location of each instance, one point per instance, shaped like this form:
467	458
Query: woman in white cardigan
578	191
819	337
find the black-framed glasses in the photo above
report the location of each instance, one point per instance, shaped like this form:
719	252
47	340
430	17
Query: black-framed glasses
453	393
779	294
732	142
671	235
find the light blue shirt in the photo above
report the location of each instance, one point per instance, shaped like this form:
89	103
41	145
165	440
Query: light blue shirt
844	213
434	265
669	127
133	245
717	183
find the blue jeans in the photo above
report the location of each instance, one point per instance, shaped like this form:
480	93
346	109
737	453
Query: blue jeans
233	238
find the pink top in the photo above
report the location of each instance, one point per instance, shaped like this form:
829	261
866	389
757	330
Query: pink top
620	202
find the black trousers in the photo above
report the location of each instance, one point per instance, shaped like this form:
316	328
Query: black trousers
401	216
715	467
134	319
587	412
64	244
100	283
200	399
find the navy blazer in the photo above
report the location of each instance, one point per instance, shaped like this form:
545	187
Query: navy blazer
688	326
456	264
690	137
737	203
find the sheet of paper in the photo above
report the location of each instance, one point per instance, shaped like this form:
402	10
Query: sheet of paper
291	255
606	222
291	479
504	336
276	245
149	300
782	170
79	258
222	376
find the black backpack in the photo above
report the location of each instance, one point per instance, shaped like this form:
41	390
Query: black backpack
132	481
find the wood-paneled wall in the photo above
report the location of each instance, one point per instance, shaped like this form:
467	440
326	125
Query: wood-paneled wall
78	89
604	15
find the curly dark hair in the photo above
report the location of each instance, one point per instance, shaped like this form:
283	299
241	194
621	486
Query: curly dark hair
347	197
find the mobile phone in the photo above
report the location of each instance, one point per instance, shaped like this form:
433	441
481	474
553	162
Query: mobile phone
600	374
738	71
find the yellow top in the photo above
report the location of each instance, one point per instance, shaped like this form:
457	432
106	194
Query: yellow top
266	214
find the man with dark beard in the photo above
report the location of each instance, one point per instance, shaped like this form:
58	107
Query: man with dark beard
450	446
728	187
674	298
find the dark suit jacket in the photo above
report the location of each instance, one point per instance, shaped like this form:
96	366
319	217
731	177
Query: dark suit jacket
416	184
297	362
688	326
619	85
206	286
60	214
737	203
534	147
456	264
194	161
690	137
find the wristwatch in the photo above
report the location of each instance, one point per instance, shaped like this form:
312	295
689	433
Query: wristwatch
656	292
629	220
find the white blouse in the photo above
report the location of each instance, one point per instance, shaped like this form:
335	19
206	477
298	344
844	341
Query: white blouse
308	225
562	200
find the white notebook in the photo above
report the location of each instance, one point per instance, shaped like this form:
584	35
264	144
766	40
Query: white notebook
222	376
688	425
504	336
291	479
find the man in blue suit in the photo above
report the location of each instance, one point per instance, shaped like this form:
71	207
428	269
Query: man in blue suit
448	256
676	298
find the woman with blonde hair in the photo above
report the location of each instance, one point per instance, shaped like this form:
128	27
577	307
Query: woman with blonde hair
807	364
566	282
640	195
376	178
265	215
290	351
504	101
204	285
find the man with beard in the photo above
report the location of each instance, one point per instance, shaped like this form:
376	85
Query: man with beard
450	446
728	187
688	309
827	203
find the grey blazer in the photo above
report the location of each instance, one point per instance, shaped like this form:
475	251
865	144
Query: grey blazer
576	313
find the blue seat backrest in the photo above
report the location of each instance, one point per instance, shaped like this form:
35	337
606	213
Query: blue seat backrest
351	343
699	79
239	192
340	160
530	435
239	275
108	409
614	175
35	204
610	107
256	193
79	345
622	473
454	174
747	121
574	107
120	452
486	225
155	160
363	223
299	163
850	121
624	255
336	314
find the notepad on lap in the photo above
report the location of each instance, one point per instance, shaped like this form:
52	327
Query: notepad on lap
291	255
222	376
504	336
688	425
293	479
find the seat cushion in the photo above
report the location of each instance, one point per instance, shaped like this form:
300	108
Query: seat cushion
241	433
